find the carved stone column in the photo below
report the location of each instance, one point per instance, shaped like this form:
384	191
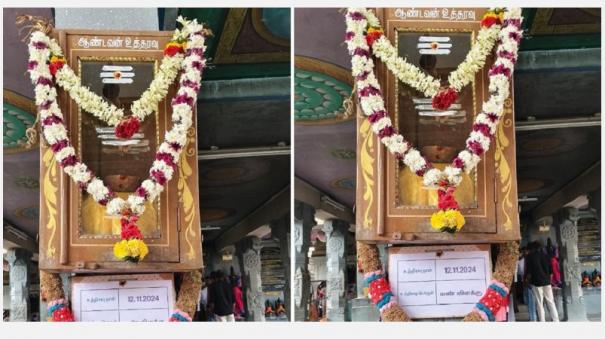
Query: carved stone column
574	307
250	265
336	245
304	220
280	231
19	272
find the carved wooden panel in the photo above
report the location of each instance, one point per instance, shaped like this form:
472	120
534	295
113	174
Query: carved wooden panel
75	235
391	205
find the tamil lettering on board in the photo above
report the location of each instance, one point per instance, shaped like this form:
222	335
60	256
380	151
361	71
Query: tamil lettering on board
439	281
143	297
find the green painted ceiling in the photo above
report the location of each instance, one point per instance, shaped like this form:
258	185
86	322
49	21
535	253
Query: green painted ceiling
318	95
275	19
571	28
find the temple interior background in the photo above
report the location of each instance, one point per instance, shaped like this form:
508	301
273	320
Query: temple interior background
243	146
557	98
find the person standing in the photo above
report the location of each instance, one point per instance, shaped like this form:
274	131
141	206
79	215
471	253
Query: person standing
538	272
220	295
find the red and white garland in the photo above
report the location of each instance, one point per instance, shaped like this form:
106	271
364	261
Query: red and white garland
168	153
485	124
94	104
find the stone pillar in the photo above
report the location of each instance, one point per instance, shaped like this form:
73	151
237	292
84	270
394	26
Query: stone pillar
280	231
336	246
19	272
594	202
304	220
250	265
573	298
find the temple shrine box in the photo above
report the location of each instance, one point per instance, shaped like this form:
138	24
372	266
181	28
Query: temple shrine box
75	233
392	204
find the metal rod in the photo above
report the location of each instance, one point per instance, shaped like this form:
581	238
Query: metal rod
243	152
557	123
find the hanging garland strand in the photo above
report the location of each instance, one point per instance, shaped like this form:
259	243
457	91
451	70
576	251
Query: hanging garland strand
90	102
448	218
493	299
43	69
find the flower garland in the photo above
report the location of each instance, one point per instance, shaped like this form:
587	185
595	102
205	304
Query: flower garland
59	311
179	316
484	127
415	77
41	64
90	102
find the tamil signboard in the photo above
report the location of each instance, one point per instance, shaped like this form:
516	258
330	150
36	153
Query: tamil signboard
439	281
143	297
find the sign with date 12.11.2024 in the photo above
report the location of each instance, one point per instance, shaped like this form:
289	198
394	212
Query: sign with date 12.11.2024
142	297
439	281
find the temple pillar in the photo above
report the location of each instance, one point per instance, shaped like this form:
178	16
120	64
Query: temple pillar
250	264
19	273
304	220
571	273
280	231
336	245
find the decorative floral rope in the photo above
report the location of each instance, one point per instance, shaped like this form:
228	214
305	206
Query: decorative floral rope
360	41
43	66
179	315
493	299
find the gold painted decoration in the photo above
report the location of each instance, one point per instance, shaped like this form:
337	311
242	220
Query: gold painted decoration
367	170
49	188
186	195
502	142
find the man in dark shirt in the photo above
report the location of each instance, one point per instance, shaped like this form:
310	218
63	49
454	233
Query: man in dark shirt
220	295
537	273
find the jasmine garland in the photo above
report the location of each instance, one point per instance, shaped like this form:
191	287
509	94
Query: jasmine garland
168	153
485	123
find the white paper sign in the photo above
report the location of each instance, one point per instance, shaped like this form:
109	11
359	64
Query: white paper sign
439	281
142	297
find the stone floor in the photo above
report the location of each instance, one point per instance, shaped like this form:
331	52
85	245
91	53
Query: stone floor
592	300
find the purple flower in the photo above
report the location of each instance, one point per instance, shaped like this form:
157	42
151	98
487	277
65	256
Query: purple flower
44	81
483	129
361	52
40	45
458	163
377	115
183	99
386	132
175	146
59	145
32	64
475	147
349	36
167	158
369	90
51	119
356	16
190	84
70	160
141	192
499	69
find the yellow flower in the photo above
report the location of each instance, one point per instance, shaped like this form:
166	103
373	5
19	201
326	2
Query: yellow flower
137	248
120	249
449	219
134	248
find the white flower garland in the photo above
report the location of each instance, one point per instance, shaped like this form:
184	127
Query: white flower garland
485	123
168	153
417	78
148	102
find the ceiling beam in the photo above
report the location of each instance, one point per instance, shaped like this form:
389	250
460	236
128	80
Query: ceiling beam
588	181
247	152
541	124
541	60
310	195
275	207
14	235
